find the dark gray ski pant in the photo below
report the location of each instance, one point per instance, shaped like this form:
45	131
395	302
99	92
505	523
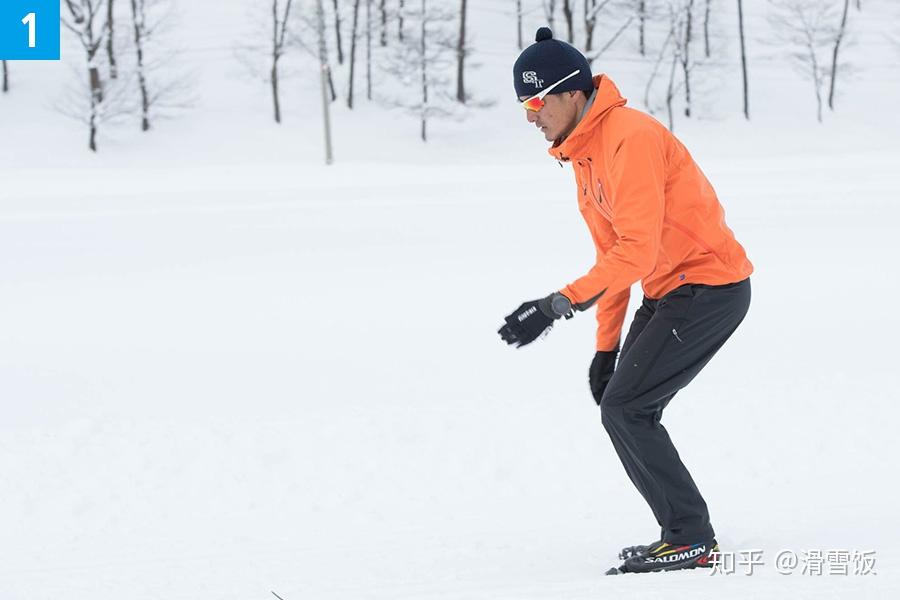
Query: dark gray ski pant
668	343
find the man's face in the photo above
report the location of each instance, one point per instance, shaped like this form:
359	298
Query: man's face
558	117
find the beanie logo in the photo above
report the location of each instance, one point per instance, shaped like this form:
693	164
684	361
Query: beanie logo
531	77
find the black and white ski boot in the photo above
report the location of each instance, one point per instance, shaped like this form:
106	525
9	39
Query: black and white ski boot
667	557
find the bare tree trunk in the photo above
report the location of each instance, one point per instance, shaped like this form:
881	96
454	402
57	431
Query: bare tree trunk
110	50
275	57
816	73
368	49
337	33
590	21
82	24
642	24
858	4
400	21
138	19
519	22
279	31
686	57
275	90
424	77
383	10
92	142
706	28
5	77
353	37
96	99
834	59
325	77
567	13
96	95
670	91
331	89
325	60
550	12
817	83
461	55
744	60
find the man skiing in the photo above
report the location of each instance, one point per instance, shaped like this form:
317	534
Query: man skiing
654	218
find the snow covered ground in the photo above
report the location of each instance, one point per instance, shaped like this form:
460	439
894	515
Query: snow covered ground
225	369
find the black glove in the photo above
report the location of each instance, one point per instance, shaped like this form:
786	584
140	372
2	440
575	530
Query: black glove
602	368
528	322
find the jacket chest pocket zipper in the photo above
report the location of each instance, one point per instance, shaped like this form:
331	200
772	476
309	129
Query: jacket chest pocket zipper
601	200
597	193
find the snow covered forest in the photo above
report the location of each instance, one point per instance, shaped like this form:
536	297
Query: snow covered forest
132	63
231	367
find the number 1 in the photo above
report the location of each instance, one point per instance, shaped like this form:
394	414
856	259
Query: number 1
29	20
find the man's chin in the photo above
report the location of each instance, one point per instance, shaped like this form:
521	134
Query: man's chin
547	135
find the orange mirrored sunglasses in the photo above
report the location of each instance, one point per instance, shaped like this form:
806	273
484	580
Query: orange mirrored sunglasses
536	102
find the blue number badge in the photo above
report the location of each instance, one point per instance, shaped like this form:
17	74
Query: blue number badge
29	29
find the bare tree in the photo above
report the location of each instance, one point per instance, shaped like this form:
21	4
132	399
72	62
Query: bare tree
353	38
430	52
81	19
675	52
567	13
306	25
671	89
110	39
382	8
740	7
706	27
679	41
400	10
802	26
519	23
368	49
590	22
642	11
550	12
324	70
279	32
685	53
139	21
839	36
337	33
642	24
592	11
159	93
5	77
461	51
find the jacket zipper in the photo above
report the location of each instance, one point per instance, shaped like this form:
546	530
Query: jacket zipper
598	202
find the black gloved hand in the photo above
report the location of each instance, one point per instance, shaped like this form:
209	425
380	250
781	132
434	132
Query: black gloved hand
533	318
602	368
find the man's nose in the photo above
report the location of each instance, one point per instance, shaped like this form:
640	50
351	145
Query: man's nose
531	116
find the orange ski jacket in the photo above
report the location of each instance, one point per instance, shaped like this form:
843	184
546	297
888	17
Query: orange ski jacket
653	215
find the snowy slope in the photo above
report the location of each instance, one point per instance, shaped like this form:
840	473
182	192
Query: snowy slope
226	369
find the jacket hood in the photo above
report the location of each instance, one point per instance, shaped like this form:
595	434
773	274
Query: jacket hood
607	97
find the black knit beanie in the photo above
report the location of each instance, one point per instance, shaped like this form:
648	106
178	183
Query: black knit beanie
547	61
